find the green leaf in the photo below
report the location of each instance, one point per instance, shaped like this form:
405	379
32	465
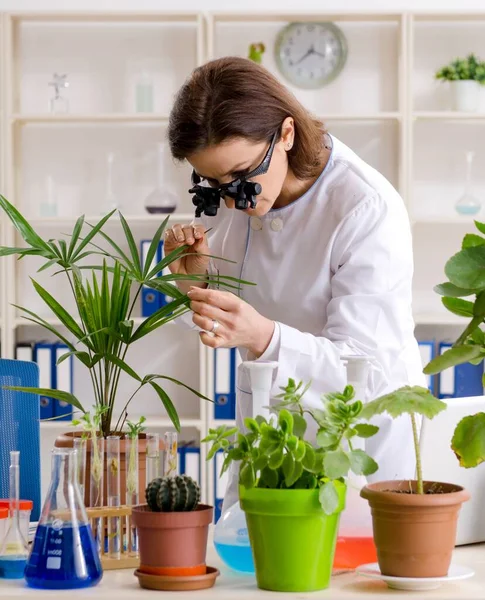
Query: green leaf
468	442
462	308
184	385
405	400
261	462
297	472
288	467
75	235
251	424
22	226
276	458
300	450
135	255
480	226
364	430
325	439
452	357
466	269
95	229
292	443
56	394
285	421
479	306
308	460
213	450
361	463
328	497
471	239
123	366
469	329
152	250
448	289
39	321
167	403
299	425
247	475
268	479
336	463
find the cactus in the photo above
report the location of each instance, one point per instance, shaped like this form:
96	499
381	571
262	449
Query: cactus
172	494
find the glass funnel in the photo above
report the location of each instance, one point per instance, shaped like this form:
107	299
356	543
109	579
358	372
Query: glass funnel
64	554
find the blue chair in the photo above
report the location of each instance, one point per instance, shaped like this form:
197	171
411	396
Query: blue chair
20	430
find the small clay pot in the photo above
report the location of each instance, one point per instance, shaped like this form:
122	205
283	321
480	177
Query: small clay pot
414	533
173	543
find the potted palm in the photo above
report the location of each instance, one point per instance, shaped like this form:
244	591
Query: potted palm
292	492
101	333
465	76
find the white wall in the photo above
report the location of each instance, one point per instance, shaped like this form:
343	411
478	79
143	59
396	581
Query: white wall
201	5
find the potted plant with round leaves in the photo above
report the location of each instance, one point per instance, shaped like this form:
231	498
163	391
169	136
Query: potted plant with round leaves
414	522
465	77
291	491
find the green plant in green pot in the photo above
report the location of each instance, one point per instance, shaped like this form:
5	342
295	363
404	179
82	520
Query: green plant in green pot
102	328
465	76
414	522
291	491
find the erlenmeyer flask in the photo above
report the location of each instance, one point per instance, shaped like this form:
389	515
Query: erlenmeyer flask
467	203
162	200
64	554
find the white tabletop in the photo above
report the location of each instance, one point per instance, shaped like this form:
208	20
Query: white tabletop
117	585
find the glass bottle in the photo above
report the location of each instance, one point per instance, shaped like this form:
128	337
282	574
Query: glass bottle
161	200
144	93
59	104
14	548
64	555
468	204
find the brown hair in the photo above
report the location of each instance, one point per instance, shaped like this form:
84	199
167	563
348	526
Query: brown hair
235	97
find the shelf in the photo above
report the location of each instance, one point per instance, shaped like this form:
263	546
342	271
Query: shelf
379	116
439	318
107	118
106	17
322	15
448	116
20	322
136	219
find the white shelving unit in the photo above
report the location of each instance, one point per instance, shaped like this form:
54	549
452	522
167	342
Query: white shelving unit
385	104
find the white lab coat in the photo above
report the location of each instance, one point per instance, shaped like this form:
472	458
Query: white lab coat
334	271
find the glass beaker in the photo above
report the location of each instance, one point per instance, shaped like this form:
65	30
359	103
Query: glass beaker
64	555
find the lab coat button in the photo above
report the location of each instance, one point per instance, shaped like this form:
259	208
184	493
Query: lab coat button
276	224
256	223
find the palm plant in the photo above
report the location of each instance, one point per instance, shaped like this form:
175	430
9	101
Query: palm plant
104	329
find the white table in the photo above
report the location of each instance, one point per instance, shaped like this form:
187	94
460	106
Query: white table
117	585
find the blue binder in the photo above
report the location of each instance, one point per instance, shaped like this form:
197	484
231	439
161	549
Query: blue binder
150	299
461	381
63	381
163	298
220	484
189	462
25	351
427	350
225	383
43	356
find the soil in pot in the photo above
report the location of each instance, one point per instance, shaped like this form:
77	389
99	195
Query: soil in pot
173	543
414	533
65	440
292	540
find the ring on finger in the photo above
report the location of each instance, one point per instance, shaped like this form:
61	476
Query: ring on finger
215	326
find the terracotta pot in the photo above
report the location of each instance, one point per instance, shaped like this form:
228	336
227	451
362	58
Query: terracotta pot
173	543
414	533
65	441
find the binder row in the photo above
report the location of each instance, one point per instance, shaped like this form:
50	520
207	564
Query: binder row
51	375
152	300
226	362
458	382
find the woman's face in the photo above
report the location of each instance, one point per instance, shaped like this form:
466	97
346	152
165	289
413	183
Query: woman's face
236	157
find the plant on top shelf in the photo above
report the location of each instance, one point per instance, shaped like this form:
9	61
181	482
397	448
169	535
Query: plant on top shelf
405	513
460	69
105	296
284	477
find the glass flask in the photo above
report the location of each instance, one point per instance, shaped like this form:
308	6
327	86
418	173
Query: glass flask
14	548
231	539
64	555
467	203
58	104
161	200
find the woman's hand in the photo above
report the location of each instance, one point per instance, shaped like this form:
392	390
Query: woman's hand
192	264
236	322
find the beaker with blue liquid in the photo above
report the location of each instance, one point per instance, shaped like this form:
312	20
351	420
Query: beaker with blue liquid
64	555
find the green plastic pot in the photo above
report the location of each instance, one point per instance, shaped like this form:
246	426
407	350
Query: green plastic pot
292	540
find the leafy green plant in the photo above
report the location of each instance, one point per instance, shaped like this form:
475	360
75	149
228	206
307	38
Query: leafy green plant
464	295
412	401
100	335
134	430
274	453
460	69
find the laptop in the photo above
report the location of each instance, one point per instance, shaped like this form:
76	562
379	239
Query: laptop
440	464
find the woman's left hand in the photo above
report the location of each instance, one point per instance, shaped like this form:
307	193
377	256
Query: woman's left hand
232	321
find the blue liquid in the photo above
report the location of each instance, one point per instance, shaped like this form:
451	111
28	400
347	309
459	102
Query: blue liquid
12	567
238	558
467	210
63	559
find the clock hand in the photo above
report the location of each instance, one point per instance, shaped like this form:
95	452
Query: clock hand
304	56
322	54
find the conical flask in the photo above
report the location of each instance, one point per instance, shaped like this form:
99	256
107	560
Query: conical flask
161	200
64	554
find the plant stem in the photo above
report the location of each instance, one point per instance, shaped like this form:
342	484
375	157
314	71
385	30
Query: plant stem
126	406
419	470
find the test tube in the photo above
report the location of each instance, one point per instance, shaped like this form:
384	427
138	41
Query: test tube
153	456
79	444
96	482
132	491
113	491
170	454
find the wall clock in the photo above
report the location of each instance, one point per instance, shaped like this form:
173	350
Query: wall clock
310	55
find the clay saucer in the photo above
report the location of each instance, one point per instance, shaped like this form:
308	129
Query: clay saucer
178	584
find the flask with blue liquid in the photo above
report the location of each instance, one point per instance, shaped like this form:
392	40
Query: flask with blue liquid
64	554
231	539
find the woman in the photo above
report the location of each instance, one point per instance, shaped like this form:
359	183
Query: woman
327	244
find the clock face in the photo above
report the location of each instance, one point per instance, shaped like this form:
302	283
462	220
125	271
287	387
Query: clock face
310	55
